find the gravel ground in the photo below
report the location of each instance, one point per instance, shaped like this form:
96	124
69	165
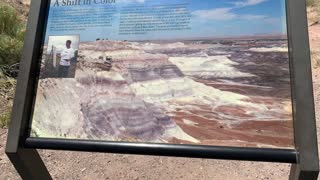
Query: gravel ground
77	165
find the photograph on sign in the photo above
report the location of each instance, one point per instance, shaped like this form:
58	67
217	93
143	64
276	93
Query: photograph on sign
60	58
158	71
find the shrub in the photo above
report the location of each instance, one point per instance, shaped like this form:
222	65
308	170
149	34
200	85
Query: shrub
12	31
10	50
9	20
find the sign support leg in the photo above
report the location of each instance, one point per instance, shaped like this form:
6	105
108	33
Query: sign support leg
297	173
305	133
29	164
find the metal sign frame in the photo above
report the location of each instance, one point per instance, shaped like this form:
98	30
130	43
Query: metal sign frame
21	149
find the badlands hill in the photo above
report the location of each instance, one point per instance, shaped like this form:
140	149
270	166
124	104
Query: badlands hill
180	92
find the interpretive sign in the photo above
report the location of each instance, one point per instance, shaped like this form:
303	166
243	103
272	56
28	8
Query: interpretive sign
181	72
190	78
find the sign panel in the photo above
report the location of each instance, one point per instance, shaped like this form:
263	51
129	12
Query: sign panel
159	71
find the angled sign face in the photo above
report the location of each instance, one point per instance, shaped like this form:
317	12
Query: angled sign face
172	72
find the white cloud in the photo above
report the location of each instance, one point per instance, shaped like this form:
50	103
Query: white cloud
215	14
253	17
248	3
225	14
131	1
272	20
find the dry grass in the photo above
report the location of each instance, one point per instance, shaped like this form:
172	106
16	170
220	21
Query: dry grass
313	9
315	58
11	39
312	3
313	14
5	119
7	89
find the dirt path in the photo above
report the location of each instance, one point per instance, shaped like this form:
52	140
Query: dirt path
74	165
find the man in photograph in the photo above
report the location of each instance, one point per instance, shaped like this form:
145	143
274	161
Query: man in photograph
66	55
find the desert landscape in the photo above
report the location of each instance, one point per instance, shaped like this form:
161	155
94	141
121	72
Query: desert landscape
233	92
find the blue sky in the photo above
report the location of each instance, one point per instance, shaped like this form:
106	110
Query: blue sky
209	18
